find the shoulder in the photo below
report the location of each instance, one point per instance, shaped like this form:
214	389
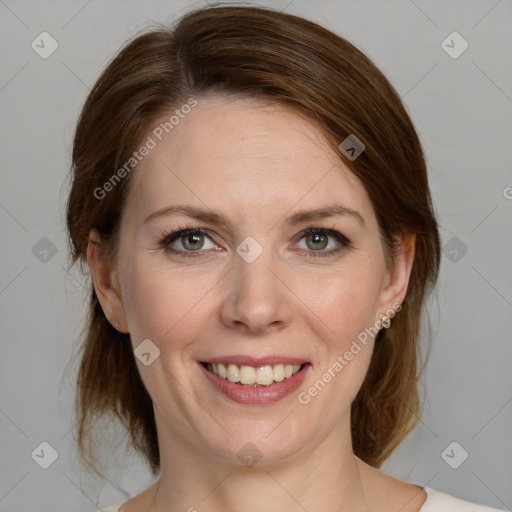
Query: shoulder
409	496
438	501
139	502
113	508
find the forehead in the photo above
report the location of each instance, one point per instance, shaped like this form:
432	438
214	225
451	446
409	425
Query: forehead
240	153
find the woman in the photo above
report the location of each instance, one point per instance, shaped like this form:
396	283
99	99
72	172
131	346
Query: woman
252	200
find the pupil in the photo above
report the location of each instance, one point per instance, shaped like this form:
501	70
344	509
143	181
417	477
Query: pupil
195	240
317	238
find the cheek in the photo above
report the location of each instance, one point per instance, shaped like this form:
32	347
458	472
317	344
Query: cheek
347	301
162	305
347	308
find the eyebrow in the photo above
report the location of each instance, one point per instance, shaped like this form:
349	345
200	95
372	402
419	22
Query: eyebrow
211	217
335	210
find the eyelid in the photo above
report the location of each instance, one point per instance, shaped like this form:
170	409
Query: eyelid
343	242
331	232
179	232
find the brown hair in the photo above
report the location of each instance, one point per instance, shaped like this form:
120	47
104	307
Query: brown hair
267	54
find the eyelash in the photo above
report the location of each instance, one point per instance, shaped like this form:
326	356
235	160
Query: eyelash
168	238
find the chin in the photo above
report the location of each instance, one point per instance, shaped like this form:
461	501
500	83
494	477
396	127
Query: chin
267	444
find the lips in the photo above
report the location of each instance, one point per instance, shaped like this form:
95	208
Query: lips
255	381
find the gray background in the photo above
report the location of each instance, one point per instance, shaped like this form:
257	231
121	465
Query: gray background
462	110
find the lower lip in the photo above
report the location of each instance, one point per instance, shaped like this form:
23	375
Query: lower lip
260	395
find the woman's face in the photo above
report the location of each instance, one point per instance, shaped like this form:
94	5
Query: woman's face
254	291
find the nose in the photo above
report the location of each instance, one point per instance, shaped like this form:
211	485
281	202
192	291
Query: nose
256	299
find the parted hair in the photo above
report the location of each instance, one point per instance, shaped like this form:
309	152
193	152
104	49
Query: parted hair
260	53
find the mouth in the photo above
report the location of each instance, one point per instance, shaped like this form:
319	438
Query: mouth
255	376
255	381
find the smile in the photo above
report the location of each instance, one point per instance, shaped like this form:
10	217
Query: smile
250	375
255	381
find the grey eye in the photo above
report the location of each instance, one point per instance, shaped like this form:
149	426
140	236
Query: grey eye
192	241
318	241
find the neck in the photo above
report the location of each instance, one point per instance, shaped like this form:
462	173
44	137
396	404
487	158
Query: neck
327	478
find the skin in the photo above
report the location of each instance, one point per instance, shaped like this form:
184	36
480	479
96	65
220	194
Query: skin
256	164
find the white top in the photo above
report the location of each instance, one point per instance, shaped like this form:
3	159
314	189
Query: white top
436	501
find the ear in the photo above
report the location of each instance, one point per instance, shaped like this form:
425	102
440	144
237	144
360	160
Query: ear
397	277
106	283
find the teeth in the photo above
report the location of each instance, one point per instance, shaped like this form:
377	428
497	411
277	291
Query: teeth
264	375
247	375
279	372
223	371
233	373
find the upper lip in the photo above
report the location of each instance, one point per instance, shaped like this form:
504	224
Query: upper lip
256	362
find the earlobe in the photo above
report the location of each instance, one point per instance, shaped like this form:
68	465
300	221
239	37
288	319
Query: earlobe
105	282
